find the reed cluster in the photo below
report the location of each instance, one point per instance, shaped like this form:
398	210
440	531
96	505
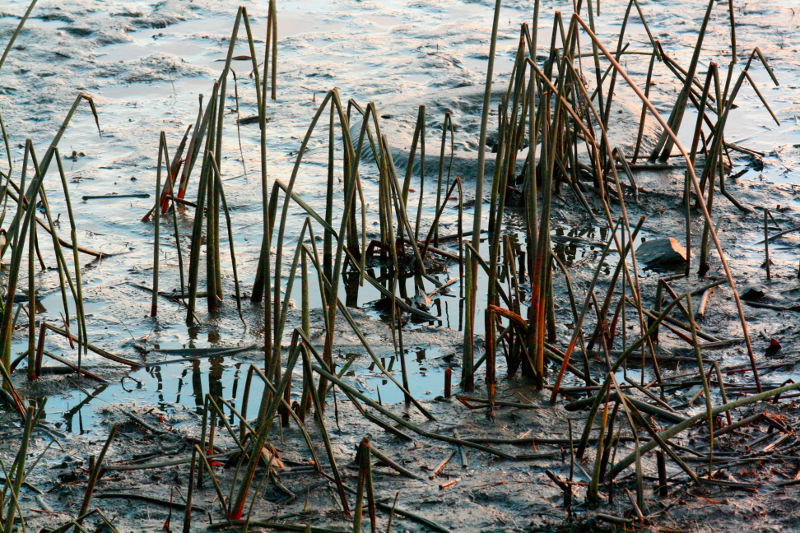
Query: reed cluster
553	120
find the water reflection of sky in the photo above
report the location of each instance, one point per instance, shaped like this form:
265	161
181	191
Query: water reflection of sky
179	389
169	388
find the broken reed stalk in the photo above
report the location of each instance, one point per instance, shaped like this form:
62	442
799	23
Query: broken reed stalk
80	313
711	78
629	409
590	291
467	377
197	228
365	487
61	264
162	153
177	236
210	194
319	417
678	428
16	33
264	429
766	243
421	191
447	127
37	365
664	145
388	181
229	226
32	244
434	229
96	472
706	388
314	256
23	219
263	283
697	189
15	477
213	267
592	494
187	515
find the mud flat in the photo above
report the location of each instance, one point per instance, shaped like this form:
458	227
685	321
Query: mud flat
459	488
419	318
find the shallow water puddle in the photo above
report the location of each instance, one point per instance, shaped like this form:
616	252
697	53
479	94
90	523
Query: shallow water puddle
425	366
175	389
178	390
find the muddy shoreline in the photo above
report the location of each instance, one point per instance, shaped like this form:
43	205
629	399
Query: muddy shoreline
488	493
457	469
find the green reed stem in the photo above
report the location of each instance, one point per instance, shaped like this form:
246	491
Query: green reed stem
467	377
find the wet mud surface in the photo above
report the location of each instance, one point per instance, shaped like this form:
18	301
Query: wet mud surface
145	63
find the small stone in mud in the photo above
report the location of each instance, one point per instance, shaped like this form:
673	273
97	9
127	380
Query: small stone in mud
661	253
753	293
773	348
